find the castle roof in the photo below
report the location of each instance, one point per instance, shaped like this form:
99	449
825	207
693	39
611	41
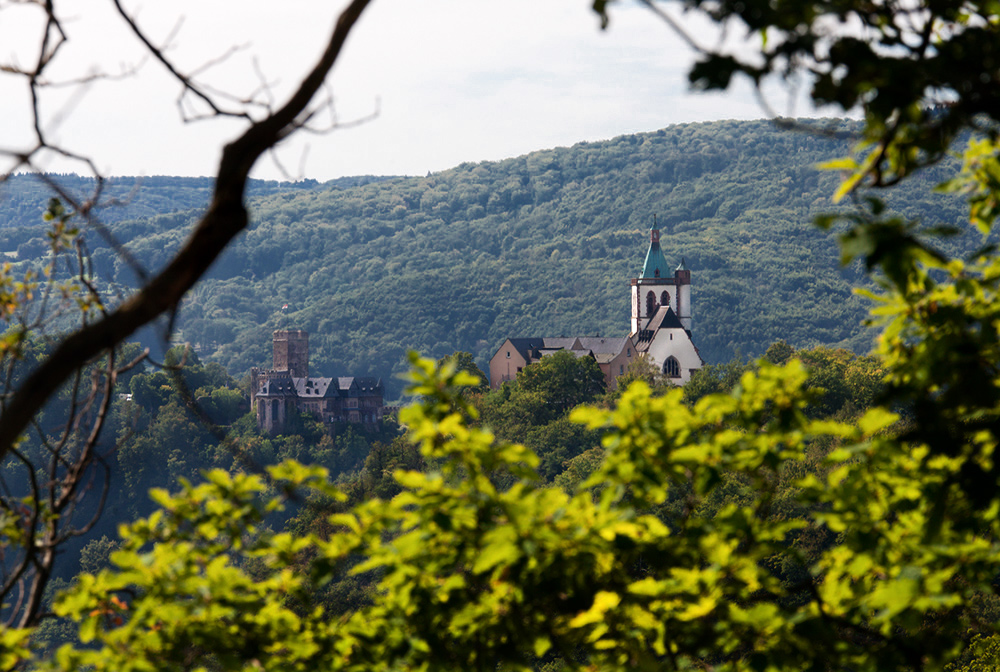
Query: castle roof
279	385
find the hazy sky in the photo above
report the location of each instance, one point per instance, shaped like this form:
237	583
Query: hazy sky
447	81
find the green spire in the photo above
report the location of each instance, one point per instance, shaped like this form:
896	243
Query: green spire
656	264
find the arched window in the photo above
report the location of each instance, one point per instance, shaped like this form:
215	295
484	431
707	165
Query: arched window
672	368
650	303
665	299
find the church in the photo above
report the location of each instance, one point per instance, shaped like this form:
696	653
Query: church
661	315
660	330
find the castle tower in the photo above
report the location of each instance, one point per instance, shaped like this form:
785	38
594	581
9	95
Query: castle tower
291	352
653	288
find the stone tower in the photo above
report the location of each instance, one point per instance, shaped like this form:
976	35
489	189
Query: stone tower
291	352
653	288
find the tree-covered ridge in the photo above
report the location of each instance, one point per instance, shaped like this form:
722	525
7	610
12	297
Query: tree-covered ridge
24	195
540	244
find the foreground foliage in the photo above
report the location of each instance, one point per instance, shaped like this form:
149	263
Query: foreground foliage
470	576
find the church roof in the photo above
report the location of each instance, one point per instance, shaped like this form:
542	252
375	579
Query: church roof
655	265
663	318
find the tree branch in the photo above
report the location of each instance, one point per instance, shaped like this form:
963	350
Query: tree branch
225	218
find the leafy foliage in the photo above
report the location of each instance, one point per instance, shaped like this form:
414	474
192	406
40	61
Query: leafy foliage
471	576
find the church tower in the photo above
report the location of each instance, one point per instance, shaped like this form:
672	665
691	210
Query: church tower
653	289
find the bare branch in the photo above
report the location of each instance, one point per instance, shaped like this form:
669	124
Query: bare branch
159	54
225	218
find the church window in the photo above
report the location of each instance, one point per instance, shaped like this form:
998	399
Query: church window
672	368
665	299
650	303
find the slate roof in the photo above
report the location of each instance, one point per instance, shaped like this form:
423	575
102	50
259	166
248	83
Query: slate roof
318	388
528	346
604	345
663	318
601	349
312	388
281	387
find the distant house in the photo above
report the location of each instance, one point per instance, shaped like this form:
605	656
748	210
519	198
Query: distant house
286	389
660	330
612	355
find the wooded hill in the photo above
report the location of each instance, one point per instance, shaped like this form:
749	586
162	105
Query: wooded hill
542	244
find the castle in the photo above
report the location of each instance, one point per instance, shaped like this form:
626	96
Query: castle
283	391
660	330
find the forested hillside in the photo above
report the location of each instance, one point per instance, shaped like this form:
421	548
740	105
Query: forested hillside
542	244
24	196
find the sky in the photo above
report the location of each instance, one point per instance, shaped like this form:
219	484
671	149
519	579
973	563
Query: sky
420	86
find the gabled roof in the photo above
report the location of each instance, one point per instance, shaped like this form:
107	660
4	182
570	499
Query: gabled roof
524	346
602	349
354	385
537	346
663	318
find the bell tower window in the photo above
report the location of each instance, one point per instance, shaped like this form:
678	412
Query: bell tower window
665	299
650	303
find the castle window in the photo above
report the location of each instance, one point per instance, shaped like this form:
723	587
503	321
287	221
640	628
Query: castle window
672	368
665	299
650	303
